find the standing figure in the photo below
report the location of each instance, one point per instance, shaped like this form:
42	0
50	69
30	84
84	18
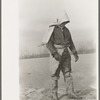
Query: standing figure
58	41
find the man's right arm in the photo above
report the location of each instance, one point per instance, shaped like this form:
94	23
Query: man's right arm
52	49
50	45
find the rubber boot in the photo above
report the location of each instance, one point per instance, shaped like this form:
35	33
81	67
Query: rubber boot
69	86
55	90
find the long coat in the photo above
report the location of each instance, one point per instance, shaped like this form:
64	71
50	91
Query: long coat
61	38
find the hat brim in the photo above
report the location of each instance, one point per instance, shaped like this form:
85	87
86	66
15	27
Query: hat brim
65	22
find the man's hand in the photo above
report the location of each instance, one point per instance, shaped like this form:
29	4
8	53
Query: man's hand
57	56
76	58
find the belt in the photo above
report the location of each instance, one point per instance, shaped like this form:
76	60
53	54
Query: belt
59	46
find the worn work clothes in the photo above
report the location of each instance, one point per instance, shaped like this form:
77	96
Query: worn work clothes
56	66
61	37
60	41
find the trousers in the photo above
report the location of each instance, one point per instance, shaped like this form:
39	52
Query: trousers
65	67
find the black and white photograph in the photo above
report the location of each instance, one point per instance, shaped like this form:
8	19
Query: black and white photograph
58	48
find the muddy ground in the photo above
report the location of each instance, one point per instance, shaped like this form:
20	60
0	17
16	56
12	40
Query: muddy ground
35	83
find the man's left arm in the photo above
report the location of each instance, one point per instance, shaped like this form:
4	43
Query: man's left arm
73	49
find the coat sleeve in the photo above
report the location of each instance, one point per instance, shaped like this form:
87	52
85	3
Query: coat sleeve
72	46
50	45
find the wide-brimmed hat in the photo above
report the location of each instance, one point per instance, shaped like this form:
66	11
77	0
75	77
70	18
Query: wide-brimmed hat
61	18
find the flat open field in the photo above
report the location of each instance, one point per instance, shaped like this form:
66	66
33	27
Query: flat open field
35	74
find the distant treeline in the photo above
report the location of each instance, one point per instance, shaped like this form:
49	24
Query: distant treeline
81	50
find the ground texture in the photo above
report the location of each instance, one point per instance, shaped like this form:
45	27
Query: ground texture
35	83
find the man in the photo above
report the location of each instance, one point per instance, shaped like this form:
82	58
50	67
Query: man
60	60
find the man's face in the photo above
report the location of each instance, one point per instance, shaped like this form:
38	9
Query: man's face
61	25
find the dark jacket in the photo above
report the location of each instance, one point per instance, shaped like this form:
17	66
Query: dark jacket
61	37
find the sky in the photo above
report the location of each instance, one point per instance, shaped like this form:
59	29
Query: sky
36	15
